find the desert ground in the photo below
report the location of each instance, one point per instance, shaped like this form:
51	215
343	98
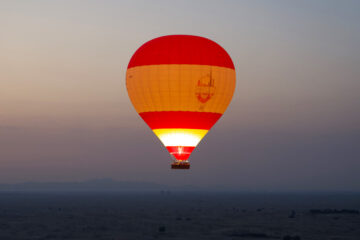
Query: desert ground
178	215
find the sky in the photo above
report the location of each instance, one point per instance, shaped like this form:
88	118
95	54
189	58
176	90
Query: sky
293	123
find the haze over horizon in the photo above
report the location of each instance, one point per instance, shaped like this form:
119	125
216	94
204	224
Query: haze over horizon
293	124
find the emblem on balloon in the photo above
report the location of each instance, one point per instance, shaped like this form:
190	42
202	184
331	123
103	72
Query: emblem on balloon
205	89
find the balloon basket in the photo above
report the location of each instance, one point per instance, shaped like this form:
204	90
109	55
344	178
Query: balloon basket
180	165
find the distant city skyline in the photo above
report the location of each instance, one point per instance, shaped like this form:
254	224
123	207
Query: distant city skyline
293	123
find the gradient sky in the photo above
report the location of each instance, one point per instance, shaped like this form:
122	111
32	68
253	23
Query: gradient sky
293	124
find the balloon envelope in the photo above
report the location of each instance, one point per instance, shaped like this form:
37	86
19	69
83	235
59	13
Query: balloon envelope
180	85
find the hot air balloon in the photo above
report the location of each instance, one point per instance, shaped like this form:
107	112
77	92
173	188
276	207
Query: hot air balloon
180	85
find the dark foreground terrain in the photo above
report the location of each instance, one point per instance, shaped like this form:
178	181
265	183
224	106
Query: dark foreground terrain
178	215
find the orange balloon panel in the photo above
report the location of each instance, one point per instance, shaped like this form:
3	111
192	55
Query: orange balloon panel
180	85
176	87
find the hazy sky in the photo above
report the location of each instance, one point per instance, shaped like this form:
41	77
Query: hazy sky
293	124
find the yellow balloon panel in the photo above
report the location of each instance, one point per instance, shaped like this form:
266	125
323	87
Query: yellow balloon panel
180	137
180	87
